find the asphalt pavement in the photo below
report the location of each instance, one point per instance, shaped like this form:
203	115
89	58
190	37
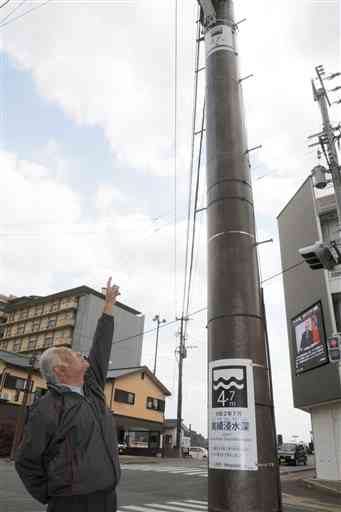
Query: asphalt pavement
171	486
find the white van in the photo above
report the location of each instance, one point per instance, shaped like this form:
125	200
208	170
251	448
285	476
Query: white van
198	452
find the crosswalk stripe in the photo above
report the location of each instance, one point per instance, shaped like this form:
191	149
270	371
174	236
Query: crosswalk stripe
200	502
169	508
142	509
191	506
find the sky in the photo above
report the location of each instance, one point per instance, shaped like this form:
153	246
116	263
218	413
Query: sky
95	143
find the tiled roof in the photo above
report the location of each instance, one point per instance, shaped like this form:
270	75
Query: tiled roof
115	373
15	359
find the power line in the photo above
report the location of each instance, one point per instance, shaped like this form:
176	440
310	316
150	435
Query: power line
24	13
5	3
194	117
283	272
195	210
12	11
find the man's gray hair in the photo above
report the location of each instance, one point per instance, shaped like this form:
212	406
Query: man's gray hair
49	359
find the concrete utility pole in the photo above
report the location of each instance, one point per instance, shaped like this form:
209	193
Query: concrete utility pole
243	470
327	142
182	355
327	137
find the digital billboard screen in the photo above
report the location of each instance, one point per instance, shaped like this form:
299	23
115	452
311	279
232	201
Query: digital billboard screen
309	339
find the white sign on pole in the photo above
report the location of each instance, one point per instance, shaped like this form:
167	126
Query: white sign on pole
220	37
232	415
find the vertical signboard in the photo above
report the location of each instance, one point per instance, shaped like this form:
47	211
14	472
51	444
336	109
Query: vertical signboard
232	415
309	339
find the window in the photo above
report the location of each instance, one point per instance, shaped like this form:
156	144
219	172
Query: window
23	314
48	342
21	329
55	306
64	302
51	322
32	343
155	404
13	382
17	346
124	397
36	325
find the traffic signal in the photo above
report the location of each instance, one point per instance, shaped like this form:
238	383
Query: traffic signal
320	255
334	348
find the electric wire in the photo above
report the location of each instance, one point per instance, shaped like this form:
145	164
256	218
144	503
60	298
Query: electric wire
283	272
195	211
194	117
24	13
12	11
5	3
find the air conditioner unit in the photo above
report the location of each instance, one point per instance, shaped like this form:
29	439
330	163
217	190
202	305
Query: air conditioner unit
4	396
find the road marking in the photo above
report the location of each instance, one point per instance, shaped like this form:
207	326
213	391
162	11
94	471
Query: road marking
199	502
190	506
173	470
169	506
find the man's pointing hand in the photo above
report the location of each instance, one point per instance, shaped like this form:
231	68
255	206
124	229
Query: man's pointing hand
112	292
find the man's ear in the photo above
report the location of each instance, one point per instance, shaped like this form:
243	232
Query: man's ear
59	371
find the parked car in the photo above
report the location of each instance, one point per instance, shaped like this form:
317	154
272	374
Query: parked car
197	452
292	453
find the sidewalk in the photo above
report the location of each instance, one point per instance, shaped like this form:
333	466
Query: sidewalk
329	486
302	490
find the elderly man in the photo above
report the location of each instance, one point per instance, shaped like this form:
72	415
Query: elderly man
68	457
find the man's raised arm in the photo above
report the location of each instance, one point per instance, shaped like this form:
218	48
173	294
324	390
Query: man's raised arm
101	346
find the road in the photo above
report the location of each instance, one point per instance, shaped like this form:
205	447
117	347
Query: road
168	486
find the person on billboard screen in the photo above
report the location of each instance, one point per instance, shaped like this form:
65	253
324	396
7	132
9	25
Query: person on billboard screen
315	330
307	335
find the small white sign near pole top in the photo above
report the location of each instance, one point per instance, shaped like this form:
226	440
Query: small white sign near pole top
232	415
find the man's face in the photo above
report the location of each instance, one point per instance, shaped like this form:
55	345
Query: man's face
307	324
73	369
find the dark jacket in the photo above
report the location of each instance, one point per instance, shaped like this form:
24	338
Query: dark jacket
69	445
306	340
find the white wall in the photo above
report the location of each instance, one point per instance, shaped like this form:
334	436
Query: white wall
326	423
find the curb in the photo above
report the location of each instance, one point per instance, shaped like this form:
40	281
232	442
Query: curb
300	470
321	486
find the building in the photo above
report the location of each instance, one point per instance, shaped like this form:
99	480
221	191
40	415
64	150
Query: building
68	318
170	429
135	396
313	310
3	303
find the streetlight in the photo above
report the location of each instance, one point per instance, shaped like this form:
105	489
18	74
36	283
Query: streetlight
163	321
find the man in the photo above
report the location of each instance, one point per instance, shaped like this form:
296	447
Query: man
307	336
68	457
